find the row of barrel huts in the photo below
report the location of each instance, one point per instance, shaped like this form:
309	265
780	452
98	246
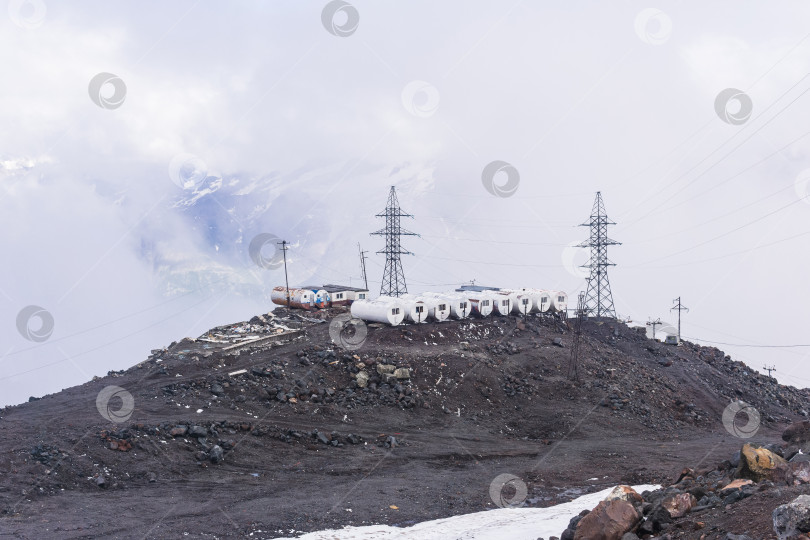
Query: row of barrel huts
466	301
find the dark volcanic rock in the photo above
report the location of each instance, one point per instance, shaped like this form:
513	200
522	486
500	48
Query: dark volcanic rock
216	454
797	433
197	431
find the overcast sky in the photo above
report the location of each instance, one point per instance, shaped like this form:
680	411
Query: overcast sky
144	146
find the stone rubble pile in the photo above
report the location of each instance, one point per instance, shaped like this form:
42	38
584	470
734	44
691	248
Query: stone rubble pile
627	515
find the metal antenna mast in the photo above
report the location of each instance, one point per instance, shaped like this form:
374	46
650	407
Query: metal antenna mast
393	281
284	249
363	264
599	298
679	307
573	364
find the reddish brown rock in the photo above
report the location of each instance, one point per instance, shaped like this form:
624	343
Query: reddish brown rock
608	521
679	505
737	484
801	472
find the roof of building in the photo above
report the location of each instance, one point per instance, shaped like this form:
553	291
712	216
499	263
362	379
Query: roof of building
476	288
311	287
340	288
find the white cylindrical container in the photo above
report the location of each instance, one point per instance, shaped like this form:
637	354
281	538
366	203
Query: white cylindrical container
480	304
543	303
540	299
438	308
521	303
501	303
415	309
559	301
459	306
427	304
389	311
299	298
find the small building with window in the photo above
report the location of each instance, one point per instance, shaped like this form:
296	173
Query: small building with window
344	296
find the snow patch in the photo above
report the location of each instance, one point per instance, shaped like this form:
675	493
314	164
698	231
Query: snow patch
511	523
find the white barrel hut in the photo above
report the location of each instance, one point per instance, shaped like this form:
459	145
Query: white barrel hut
416	311
541	299
388	311
522	302
543	303
435	309
480	303
438	308
458	304
501	303
299	298
559	301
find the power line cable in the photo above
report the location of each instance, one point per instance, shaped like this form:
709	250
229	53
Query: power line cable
656	209
781	208
792	346
723	256
756	81
73	356
756	202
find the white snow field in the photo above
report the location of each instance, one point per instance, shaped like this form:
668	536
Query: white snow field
500	524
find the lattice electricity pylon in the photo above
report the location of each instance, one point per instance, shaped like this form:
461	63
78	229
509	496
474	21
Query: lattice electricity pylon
393	281
599	298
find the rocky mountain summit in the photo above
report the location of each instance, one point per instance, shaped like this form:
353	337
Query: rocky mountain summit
271	425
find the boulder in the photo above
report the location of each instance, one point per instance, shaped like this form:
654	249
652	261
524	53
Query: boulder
216	454
608	521
178	431
800	457
362	379
197	431
385	369
624	493
402	373
792	519
797	432
801	472
679	505
759	464
656	520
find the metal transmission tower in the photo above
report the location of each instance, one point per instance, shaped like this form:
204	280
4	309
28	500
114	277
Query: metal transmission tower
573	363
656	322
393	281
599	298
